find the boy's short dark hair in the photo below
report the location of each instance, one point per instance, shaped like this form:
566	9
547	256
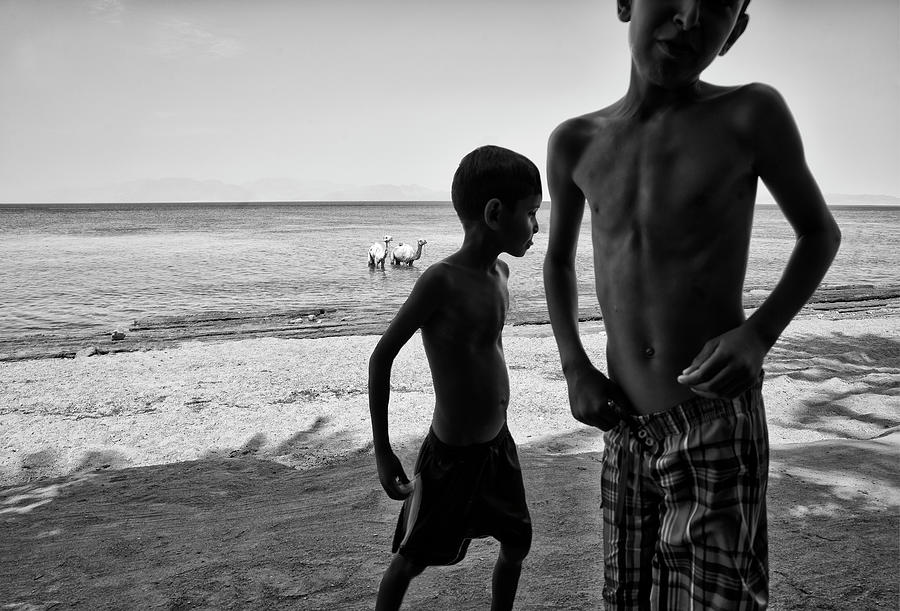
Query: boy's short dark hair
492	172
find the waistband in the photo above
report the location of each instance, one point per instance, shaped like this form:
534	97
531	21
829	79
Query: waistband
470	449
651	428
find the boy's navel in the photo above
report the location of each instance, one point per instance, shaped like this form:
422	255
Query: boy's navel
649	352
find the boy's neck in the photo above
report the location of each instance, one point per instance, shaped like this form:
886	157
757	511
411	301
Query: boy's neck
477	251
644	98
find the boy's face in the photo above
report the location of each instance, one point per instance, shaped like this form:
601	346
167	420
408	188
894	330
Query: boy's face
518	224
673	41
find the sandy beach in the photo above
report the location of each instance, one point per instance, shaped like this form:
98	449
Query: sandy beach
238	474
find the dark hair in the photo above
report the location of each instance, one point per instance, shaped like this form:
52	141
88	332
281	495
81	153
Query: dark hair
492	172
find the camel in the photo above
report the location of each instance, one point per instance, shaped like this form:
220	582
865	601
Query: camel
378	253
404	253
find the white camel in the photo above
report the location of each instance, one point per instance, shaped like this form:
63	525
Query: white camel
405	253
378	252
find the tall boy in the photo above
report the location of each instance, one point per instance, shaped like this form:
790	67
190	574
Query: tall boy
467	480
669	173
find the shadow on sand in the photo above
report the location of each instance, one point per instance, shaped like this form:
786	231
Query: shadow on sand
237	533
850	375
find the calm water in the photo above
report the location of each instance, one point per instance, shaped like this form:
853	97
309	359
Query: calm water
82	269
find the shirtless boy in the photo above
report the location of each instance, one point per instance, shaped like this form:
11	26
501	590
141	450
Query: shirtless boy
669	173
467	482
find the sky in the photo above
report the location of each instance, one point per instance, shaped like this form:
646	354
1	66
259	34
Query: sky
302	99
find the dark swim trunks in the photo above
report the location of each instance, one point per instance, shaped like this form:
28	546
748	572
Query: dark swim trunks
463	493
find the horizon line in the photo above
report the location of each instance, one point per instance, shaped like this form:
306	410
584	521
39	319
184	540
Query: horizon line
765	203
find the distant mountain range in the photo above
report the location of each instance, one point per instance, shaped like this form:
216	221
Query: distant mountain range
289	190
264	190
839	199
845	199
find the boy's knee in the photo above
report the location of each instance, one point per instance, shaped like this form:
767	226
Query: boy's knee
515	552
406	567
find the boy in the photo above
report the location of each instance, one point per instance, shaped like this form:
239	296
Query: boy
670	174
467	481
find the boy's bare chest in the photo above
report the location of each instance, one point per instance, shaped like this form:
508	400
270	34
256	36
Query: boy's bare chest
665	174
474	313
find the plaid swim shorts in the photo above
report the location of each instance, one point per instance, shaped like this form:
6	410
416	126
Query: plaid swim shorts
684	507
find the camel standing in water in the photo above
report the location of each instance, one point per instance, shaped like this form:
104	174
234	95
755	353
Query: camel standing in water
405	253
378	253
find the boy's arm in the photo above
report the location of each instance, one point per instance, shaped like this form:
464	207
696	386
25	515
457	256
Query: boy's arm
728	364
412	315
589	389
566	213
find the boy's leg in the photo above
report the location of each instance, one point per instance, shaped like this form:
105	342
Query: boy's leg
395	581
630	504
505	581
713	549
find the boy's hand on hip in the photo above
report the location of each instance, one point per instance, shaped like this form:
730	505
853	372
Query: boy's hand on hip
727	365
392	476
594	399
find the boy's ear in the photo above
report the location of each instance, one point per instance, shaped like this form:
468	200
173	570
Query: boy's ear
736	32
492	212
624	9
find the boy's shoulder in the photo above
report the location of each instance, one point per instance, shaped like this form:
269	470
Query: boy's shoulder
443	272
752	109
593	122
449	268
582	126
435	274
752	100
572	135
434	282
453	279
755	94
759	91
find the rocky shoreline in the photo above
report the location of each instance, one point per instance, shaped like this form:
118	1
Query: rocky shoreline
165	331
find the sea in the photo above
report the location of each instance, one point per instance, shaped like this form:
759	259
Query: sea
71	275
